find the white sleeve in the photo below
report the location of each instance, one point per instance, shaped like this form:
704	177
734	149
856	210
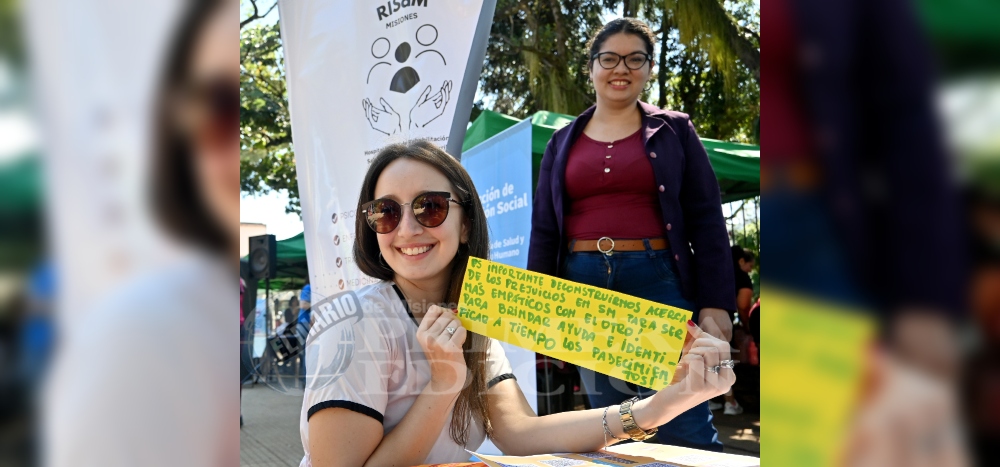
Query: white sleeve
135	385
348	366
497	366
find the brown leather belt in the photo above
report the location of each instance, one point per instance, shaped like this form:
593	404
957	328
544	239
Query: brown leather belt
796	175
606	245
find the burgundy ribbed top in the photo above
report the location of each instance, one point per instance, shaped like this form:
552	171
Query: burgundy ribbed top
612	191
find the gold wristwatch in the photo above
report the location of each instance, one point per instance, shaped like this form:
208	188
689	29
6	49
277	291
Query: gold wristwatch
628	422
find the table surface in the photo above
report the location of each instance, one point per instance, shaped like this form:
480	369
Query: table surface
628	453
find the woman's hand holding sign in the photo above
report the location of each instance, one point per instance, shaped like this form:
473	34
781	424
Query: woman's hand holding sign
702	373
520	432
441	336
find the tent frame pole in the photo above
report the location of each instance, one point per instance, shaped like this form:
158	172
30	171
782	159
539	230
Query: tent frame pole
267	306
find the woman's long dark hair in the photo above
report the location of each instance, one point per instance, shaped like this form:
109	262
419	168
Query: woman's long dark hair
741	253
177	201
472	400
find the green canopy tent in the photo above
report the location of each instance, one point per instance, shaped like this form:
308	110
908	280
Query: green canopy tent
964	34
21	185
292	257
737	166
21	204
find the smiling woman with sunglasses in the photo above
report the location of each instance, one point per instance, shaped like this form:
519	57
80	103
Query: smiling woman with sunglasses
417	387
628	201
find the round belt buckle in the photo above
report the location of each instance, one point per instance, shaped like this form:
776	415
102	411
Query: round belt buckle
609	250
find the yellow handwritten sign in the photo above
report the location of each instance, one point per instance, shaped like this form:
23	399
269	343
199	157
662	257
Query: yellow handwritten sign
609	332
815	351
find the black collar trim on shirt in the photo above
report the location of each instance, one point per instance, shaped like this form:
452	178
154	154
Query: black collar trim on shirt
405	303
341	404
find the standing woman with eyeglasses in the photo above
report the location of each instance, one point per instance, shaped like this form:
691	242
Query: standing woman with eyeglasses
628	201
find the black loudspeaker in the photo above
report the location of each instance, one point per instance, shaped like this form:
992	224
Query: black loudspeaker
263	257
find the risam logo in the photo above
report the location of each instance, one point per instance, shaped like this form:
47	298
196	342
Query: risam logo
393	6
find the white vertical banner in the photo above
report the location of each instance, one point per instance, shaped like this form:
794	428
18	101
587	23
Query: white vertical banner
362	75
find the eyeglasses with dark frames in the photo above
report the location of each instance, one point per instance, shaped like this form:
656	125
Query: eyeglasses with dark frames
610	60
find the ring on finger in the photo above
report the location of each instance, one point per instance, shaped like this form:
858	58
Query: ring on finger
723	364
451	330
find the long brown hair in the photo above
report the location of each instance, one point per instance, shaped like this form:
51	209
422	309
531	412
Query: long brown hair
472	399
178	205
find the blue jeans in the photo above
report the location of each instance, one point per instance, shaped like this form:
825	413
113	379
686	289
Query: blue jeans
804	252
652	275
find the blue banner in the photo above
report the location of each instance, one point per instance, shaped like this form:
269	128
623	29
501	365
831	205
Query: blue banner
501	169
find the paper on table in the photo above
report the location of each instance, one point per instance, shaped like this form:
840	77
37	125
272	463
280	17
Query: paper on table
632	455
675	455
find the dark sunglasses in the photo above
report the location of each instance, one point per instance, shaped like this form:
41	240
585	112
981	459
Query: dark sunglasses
430	209
210	111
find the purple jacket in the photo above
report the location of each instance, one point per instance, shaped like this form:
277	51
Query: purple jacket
888	186
689	197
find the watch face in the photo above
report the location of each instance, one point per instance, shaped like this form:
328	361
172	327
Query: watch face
628	422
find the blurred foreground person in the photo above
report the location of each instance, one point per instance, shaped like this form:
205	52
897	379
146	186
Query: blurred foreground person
136	383
863	212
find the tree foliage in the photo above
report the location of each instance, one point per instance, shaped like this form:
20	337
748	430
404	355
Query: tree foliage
725	107
537	58
267	161
710	26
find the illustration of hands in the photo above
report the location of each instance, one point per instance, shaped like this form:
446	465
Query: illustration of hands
384	119
430	106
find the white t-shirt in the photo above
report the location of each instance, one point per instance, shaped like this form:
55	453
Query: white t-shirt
136	384
362	354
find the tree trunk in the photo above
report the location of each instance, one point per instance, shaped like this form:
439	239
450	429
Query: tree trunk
628	8
560	30
747	54
661	78
690	84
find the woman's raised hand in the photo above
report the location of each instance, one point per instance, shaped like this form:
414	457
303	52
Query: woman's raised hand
441	336
693	381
